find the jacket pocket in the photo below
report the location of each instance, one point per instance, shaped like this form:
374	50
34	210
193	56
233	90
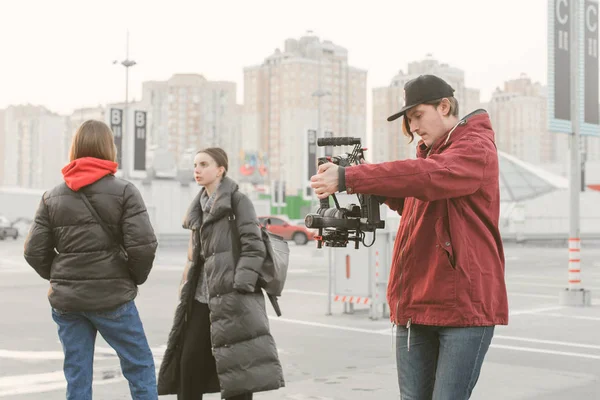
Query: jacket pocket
429	278
443	241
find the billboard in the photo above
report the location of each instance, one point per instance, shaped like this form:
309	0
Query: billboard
560	69
139	141
116	125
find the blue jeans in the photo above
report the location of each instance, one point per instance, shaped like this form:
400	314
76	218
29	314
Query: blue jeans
440	363
123	331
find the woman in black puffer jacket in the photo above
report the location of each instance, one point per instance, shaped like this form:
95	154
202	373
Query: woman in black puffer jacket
220	340
93	272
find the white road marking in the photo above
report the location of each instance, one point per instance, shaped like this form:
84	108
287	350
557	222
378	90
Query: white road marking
387	331
562	278
582	317
41	355
535	310
552	342
545	351
549	285
306	292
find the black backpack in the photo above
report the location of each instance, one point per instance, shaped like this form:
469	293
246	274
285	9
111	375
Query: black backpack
273	274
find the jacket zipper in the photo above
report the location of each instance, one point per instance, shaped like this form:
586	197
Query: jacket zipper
395	318
408	339
410	218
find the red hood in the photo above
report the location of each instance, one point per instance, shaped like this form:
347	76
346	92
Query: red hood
87	170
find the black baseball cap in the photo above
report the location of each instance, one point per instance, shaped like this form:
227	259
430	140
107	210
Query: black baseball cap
422	89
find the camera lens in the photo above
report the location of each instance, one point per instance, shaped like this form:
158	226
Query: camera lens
313	221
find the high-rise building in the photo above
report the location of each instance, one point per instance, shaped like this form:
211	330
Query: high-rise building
519	119
2	146
307	86
189	112
389	143
34	152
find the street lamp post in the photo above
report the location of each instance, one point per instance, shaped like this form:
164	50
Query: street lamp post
319	93
127	63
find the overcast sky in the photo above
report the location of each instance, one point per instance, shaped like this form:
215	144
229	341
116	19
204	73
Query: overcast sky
59	53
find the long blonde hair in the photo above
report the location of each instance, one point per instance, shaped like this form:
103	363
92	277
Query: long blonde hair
93	139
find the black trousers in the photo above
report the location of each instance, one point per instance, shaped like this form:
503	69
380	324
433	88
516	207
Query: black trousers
197	361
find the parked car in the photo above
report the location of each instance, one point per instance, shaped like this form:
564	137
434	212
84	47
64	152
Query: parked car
7	230
22	225
286	229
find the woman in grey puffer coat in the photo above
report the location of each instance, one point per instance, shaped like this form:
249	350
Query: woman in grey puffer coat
220	340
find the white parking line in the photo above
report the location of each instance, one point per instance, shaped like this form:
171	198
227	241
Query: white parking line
552	342
549	285
299	271
100	353
501	337
328	326
533	295
545	351
561	278
46	382
582	317
31	355
535	310
31	379
595	302
306	292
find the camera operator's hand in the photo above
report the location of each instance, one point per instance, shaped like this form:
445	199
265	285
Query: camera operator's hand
326	181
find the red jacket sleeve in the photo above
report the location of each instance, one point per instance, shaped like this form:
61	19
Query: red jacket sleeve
458	171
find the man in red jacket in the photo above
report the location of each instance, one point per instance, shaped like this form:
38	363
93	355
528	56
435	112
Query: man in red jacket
446	289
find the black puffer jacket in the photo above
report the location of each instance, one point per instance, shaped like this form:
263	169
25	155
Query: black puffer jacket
245	352
67	246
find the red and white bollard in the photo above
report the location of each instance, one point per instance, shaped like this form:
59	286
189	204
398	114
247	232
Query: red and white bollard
574	294
574	264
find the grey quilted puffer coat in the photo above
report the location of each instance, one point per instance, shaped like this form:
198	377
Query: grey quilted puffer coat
245	352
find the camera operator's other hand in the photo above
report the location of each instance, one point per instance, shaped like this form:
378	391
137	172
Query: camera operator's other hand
325	182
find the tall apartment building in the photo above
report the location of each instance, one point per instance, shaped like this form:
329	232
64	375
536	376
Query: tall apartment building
34	151
189	112
519	118
2	146
389	143
307	86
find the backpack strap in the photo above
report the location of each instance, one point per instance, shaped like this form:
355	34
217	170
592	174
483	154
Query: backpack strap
115	241
237	251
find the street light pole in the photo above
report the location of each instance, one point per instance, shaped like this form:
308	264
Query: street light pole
575	294
127	63
319	93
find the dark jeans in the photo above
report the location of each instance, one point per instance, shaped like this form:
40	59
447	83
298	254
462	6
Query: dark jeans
197	360
123	331
442	363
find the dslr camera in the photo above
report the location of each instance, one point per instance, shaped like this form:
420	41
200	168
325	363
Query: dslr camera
339	226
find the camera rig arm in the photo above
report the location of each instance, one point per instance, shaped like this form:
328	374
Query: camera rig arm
338	226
